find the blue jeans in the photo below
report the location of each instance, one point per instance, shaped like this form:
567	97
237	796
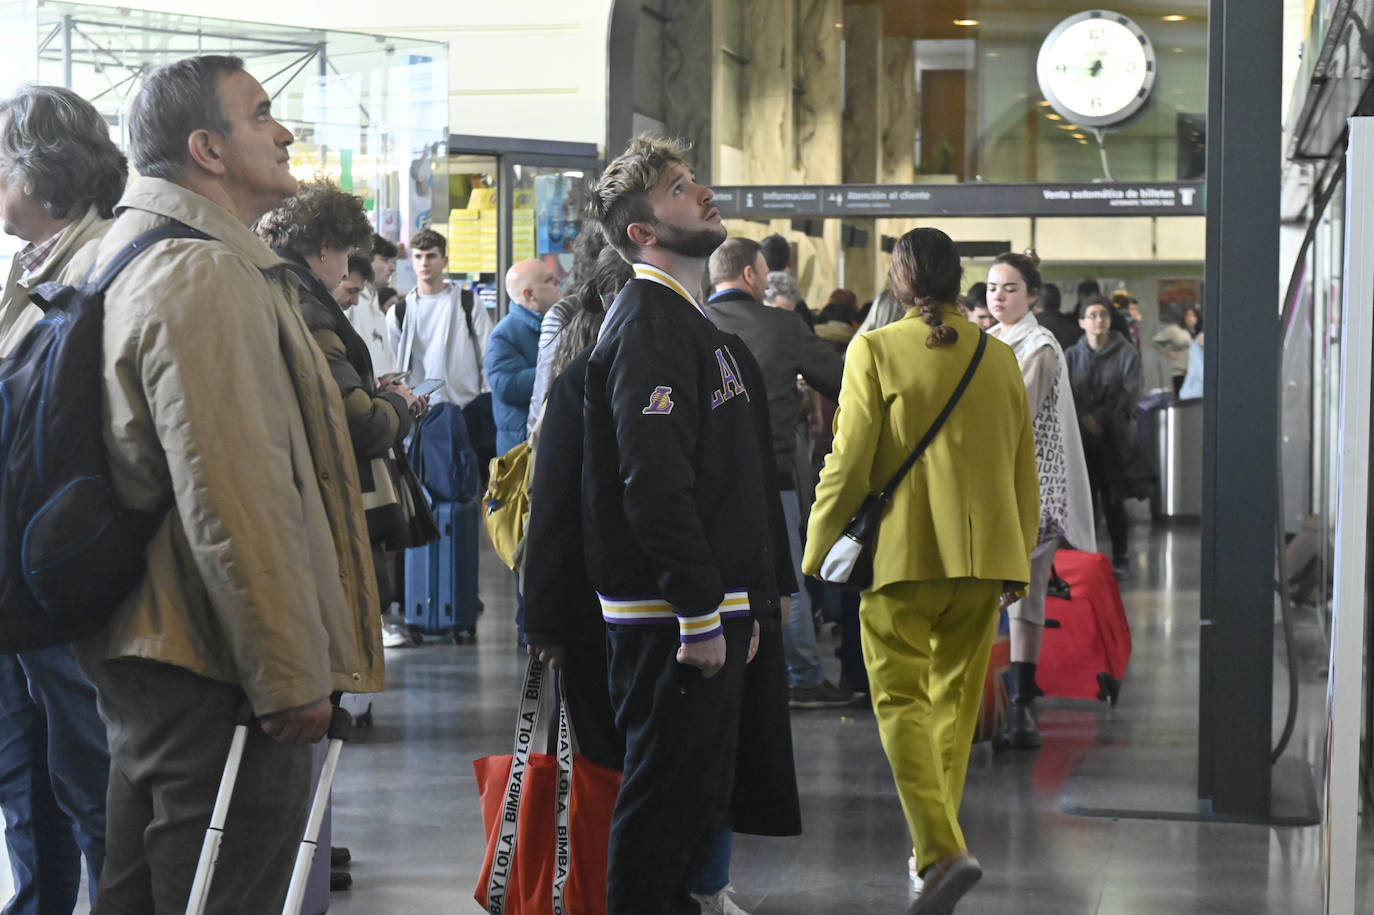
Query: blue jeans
799	632
716	876
54	771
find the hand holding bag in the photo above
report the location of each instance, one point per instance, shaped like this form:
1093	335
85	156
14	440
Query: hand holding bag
849	562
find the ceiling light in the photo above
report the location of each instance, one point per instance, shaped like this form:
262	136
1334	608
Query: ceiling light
1066	126
966	23
1178	50
1055	117
1043	103
992	54
1174	17
1078	136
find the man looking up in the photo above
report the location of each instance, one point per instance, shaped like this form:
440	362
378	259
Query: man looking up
785	348
60	177
675	522
222	413
368	317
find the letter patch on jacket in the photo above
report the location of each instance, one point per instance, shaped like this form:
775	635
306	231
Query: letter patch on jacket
659	401
730	383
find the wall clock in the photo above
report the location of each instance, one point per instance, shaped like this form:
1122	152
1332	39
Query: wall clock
1097	68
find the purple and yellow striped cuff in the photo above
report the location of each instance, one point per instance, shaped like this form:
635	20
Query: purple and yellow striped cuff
652	611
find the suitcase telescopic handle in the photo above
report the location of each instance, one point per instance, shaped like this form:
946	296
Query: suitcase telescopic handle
339	727
209	851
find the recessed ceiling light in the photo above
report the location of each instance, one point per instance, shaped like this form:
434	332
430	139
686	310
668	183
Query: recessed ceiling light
1055	117
1174	17
1078	136
1178	50
966	23
1043	103
1066	126
839	25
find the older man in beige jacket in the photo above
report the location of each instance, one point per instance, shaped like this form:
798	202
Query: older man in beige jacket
221	411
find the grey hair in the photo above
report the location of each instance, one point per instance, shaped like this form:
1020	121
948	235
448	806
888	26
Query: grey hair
886	309
176	100
57	147
780	283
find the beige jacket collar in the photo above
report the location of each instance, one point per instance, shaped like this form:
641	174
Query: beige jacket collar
169	199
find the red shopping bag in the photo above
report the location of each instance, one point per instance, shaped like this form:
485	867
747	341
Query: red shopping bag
547	818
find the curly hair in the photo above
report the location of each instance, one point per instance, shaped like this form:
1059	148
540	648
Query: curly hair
620	196
925	273
317	216
57	147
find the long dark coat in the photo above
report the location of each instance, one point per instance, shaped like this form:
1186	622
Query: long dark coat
561	608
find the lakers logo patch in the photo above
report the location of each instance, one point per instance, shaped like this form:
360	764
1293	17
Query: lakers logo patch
659	401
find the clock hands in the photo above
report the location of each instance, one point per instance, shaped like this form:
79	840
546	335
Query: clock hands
1096	68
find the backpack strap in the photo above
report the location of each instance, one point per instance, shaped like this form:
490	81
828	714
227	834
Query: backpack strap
143	242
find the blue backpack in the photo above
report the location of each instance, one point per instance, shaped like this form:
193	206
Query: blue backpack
443	457
69	551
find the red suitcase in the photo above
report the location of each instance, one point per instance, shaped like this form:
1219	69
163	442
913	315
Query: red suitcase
1085	655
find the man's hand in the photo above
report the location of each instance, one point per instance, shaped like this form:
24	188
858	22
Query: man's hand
552	655
709	655
754	642
1008	598
300	725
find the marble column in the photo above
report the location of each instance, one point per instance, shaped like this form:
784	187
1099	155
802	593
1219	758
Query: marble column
766	90
819	117
897	143
864	107
689	55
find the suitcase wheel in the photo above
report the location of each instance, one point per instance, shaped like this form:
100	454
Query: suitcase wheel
417	635
465	637
364	719
1108	688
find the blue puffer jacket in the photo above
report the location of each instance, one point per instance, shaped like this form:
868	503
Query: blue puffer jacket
512	352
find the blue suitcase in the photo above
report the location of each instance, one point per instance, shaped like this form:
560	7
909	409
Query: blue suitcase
460	526
441	578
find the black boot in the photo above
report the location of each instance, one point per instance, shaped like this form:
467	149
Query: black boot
1023	732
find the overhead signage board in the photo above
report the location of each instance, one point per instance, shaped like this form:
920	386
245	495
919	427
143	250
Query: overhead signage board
1171	198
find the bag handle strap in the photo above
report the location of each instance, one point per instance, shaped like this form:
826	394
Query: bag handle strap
142	243
531	730
886	494
567	746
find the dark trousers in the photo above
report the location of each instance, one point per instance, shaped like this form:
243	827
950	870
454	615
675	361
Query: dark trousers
1099	478
53	772
681	736
169	733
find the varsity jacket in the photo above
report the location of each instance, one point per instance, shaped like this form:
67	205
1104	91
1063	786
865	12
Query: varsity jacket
675	518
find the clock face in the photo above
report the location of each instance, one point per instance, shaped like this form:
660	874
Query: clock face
1096	68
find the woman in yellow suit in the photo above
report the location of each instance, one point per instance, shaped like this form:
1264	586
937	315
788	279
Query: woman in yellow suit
955	538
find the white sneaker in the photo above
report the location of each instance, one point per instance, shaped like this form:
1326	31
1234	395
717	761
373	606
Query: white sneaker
394	635
917	884
719	903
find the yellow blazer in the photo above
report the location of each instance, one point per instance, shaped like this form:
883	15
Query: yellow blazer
970	507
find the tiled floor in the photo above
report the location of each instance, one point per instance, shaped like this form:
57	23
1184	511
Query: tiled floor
406	802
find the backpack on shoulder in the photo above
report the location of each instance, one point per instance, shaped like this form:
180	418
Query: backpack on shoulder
506	503
69	551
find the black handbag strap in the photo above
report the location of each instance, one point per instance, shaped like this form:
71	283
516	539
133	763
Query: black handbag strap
926	439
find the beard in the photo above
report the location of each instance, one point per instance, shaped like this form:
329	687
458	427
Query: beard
696	244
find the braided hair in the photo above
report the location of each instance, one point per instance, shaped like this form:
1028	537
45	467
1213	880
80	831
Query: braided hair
926	274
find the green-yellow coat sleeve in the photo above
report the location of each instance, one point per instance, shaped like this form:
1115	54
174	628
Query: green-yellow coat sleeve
845	478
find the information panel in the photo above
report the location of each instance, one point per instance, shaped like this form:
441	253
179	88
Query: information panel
769	201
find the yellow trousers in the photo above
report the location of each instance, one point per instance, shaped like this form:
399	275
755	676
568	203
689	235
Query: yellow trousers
926	645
